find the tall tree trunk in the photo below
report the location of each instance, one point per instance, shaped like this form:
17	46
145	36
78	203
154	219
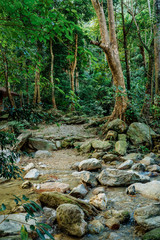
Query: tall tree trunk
37	98
74	64
109	45
5	62
125	49
157	47
143	56
77	81
52	80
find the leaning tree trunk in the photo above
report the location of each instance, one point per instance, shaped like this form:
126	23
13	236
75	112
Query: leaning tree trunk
72	70
52	80
109	45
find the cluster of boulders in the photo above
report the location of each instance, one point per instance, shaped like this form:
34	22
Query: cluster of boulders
119	138
77	216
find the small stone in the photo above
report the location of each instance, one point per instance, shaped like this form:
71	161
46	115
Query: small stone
89	178
147	161
98	190
139	167
27	185
75	166
42	154
79	192
122	137
126	165
32	174
95	227
111	135
121	147
58	144
113	223
86	147
110	157
153	168
29	166
101	145
99	201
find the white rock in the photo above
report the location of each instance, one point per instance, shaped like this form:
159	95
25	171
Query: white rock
147	161
32	174
29	166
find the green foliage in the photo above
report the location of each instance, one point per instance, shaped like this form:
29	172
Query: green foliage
8	167
31	207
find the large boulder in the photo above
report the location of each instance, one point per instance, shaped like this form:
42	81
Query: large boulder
148	217
41	144
152	235
117	125
70	218
121	147
115	178
149	190
52	187
90	164
54	199
101	145
140	133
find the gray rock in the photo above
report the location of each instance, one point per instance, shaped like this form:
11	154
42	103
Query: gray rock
134	156
148	217
89	178
42	154
58	144
121	147
95	227
75	166
41	144
101	145
115	178
147	161
14	224
139	167
126	165
32	174
149	190
113	223
152	235
140	133
79	192
71	219
90	164
110	157
117	125
48	216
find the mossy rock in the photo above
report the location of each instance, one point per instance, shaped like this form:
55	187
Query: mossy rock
54	199
152	235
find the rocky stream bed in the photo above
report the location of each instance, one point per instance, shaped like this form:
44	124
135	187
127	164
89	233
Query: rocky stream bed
89	188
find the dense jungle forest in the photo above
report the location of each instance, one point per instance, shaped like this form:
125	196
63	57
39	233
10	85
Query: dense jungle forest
80	119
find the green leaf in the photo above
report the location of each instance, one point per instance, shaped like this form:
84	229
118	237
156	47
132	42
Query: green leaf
47	233
25	198
24	233
40	234
3	207
32	227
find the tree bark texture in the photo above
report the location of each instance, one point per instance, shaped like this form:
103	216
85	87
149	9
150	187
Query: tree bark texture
52	80
37	97
74	64
109	45
125	49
